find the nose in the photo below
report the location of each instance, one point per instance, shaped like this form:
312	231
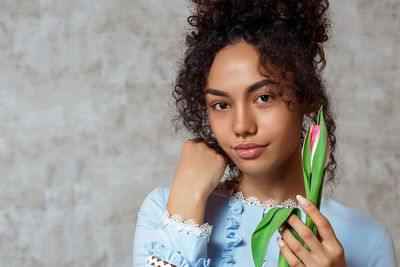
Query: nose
244	122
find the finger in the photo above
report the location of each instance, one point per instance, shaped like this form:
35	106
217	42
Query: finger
288	254
323	225
306	234
295	246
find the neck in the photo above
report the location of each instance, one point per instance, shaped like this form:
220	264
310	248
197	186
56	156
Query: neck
280	184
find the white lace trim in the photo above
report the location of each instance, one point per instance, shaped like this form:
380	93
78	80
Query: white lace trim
189	225
270	203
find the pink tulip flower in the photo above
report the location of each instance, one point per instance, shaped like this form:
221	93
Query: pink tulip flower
314	137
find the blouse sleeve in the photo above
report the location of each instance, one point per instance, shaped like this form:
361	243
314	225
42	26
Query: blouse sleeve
383	254
181	243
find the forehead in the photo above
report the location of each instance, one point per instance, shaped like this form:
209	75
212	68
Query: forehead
240	59
237	66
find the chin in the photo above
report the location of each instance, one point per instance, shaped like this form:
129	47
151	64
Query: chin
254	167
254	172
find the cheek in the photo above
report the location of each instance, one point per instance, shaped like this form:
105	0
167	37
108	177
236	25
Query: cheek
271	118
219	128
216	126
281	127
271	124
291	131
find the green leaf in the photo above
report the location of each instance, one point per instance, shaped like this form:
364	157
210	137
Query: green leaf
320	114
318	204
318	164
310	224
307	161
274	218
318	169
306	183
282	261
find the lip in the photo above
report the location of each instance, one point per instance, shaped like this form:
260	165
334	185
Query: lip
247	145
249	150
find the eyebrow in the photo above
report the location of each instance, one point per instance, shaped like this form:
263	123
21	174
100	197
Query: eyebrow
249	89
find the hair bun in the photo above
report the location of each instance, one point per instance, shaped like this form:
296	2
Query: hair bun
306	19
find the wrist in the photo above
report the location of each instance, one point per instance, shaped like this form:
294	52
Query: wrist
189	205
190	192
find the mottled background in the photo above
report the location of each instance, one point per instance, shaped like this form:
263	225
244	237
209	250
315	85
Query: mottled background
85	108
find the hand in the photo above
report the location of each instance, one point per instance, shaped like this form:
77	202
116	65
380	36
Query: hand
325	248
199	171
200	168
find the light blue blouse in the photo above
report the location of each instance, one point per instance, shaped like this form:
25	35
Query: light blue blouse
226	240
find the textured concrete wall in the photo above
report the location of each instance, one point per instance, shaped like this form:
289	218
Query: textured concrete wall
85	133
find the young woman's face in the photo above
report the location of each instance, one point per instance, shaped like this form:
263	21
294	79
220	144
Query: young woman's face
258	115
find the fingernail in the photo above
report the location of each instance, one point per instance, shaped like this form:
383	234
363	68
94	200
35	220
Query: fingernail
303	201
280	228
280	242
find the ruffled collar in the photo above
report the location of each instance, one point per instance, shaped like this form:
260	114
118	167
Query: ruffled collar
270	203
254	201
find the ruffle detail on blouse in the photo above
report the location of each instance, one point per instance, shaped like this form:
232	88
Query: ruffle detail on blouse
173	256
202	262
231	231
169	255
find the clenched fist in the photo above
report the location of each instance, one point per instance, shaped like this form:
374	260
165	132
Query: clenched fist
200	168
199	171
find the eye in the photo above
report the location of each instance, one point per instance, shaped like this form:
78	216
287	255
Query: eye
222	106
265	98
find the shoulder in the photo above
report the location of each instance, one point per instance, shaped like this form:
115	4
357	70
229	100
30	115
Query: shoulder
344	216
353	227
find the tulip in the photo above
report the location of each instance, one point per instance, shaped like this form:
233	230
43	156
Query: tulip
315	131
315	157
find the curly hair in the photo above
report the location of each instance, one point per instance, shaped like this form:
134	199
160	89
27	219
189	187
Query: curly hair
287	34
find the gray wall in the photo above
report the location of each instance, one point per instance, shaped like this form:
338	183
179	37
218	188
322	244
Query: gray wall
85	133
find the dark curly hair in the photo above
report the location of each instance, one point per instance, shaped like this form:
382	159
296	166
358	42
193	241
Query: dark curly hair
287	34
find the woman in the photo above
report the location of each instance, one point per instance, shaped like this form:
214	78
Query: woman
249	83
